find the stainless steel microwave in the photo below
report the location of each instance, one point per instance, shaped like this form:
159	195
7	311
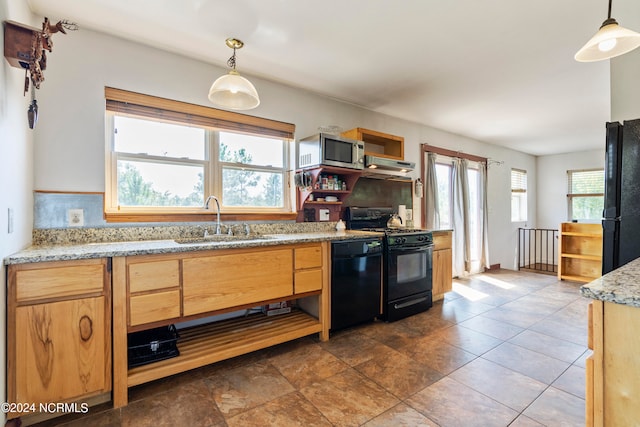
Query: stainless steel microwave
325	149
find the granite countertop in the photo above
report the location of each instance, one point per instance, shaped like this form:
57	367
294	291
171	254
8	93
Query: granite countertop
63	252
621	286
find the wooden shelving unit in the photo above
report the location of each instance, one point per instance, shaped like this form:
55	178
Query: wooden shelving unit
377	143
205	344
350	176
580	252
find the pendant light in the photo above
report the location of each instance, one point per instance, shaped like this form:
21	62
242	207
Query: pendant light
610	41
232	90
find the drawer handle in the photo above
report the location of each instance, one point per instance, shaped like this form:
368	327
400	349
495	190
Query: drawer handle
86	328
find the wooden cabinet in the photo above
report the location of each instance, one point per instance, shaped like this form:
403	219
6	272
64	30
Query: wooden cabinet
580	252
378	143
58	331
308	210
613	369
308	269
236	279
442	264
153	289
216	282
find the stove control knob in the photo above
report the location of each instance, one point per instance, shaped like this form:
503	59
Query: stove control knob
422	238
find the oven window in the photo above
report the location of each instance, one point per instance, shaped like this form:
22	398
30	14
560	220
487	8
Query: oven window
338	151
411	267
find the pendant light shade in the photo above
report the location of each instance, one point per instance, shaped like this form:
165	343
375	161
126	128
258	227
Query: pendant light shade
233	91
610	41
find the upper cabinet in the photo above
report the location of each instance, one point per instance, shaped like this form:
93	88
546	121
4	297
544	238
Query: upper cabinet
378	143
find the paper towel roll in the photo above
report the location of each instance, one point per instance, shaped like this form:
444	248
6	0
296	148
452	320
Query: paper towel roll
402	213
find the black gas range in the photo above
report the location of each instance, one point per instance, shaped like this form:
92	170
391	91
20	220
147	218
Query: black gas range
407	272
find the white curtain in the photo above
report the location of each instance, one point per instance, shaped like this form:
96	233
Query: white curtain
484	233
431	205
460	211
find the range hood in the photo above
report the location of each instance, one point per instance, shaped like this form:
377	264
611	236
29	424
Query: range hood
383	168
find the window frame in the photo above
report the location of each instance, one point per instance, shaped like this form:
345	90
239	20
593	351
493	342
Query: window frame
124	103
571	196
522	195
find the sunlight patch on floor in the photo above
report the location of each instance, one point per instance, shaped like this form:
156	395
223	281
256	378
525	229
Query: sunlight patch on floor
493	281
467	292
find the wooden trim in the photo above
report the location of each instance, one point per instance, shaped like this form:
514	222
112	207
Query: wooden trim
122	101
187	217
426	148
119	331
11	334
324	311
598	363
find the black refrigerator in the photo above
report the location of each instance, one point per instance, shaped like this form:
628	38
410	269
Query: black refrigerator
621	215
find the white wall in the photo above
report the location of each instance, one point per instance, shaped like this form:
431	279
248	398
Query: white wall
69	152
552	183
16	164
625	69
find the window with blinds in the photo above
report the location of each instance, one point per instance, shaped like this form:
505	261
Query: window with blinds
585	194
518	195
167	157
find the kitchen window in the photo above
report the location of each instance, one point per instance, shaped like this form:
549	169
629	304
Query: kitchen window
518	195
164	158
585	195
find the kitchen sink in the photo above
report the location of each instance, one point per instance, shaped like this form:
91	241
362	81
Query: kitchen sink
222	238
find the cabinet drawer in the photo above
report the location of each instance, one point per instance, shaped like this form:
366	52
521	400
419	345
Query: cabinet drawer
59	281
308	257
307	281
154	307
152	275
236	279
441	240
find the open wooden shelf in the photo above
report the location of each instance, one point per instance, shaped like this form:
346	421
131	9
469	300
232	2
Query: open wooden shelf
213	342
580	252
580	256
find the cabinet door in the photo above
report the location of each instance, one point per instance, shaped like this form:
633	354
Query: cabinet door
61	350
442	272
236	279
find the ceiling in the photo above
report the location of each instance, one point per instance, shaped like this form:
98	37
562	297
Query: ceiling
499	71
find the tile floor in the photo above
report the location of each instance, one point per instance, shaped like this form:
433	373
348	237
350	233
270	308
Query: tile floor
505	348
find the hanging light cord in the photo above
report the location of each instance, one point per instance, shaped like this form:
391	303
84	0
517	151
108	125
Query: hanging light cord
232	61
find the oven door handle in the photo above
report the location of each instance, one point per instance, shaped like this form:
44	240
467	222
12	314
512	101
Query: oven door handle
412	249
409	303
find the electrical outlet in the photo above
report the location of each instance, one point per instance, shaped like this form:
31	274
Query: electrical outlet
9	220
75	217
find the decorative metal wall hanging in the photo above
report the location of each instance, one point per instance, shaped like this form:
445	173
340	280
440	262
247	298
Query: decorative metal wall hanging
26	48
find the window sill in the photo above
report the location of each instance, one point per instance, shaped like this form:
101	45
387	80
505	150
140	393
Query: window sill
122	217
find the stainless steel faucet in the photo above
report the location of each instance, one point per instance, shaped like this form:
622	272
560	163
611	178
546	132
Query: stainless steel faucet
206	206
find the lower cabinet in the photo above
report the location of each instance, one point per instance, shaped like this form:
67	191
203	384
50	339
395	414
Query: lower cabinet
442	264
60	349
58	331
207	283
613	370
